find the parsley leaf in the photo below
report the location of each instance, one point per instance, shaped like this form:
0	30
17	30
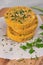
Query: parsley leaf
38	40
36	43
20	21
29	45
23	47
37	8
39	45
21	12
29	10
31	50
24	16
41	33
41	26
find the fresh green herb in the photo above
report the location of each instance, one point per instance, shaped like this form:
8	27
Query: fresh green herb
39	45
31	50
41	33
29	10
36	43
21	12
24	16
20	21
29	45
13	19
38	40
41	14
12	16
23	47
16	12
37	8
41	26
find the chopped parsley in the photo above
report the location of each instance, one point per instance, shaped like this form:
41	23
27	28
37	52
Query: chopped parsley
23	47
29	10
12	16
37	43
38	40
41	26
24	16
41	33
16	12
31	50
21	12
37	8
13	19
28	45
20	21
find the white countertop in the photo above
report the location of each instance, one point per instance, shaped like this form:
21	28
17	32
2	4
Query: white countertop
9	3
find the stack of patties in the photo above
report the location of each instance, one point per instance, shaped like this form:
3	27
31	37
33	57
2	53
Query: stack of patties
21	23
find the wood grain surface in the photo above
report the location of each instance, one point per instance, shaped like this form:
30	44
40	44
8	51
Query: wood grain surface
35	61
38	61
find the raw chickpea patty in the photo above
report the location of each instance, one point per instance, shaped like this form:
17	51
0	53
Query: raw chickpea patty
22	20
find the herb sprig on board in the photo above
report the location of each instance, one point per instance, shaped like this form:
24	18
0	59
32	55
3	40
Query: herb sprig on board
41	26
41	33
38	8
37	43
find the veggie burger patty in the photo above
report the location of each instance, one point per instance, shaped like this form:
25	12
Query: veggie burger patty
22	21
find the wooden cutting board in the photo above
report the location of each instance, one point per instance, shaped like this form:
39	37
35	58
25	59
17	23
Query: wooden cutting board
37	61
22	62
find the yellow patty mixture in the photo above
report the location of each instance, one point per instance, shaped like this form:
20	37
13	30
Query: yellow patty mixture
22	21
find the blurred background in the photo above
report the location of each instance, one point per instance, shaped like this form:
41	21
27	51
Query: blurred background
29	3
6	3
